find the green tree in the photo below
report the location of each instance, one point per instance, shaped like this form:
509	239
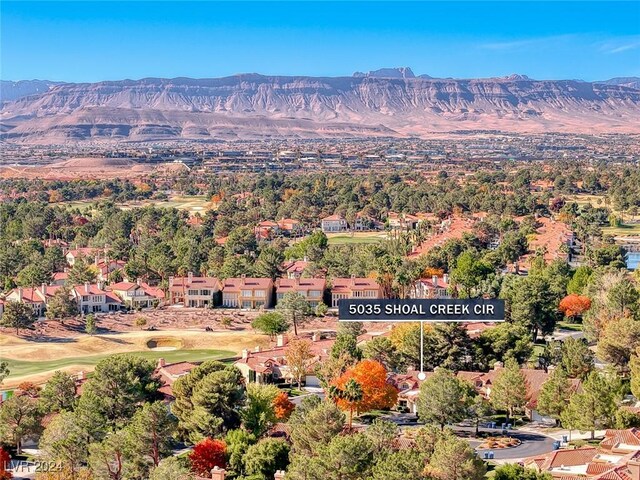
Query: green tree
555	394
82	272
61	305
262	460
634	366
33	275
576	358
443	398
238	442
112	458
618	341
579	280
4	371
171	468
513	471
17	315
509	391
20	417
530	302
343	457
150	435
119	384
346	344
314	423
506	340
469	271
208	400
382	350
59	393
259	414
595	406
64	442
295	308
454	459
399	466
90	324
269	264
270	323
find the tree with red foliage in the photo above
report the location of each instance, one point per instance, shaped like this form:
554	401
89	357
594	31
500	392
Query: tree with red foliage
574	305
5	460
371	378
29	389
206	455
282	406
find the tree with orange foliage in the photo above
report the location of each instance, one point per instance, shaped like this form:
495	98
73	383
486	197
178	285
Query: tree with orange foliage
574	305
371	378
206	455
282	406
5	460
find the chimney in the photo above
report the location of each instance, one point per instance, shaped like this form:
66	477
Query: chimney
161	362
171	278
281	340
218	473
434	280
86	287
279	475
139	281
245	354
190	276
256	349
20	294
242	279
498	365
445	278
96	259
305	259
634	469
80	375
43	287
315	337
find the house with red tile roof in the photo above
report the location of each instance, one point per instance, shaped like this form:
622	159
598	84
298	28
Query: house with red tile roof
266	229
353	287
294	268
86	252
193	291
247	292
290	225
604	462
434	287
312	289
482	382
334	223
168	373
137	294
270	365
92	298
36	297
402	221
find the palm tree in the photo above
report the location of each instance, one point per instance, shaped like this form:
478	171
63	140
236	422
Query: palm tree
351	393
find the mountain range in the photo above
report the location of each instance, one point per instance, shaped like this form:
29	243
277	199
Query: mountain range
386	102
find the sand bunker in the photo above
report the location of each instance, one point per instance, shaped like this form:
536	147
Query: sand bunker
164	344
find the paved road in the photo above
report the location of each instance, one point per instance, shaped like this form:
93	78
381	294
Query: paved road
532	443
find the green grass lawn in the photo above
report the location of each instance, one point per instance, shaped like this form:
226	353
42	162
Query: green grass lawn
358	238
19	368
191	203
624	229
576	327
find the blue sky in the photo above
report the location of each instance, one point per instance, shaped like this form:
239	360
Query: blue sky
92	41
